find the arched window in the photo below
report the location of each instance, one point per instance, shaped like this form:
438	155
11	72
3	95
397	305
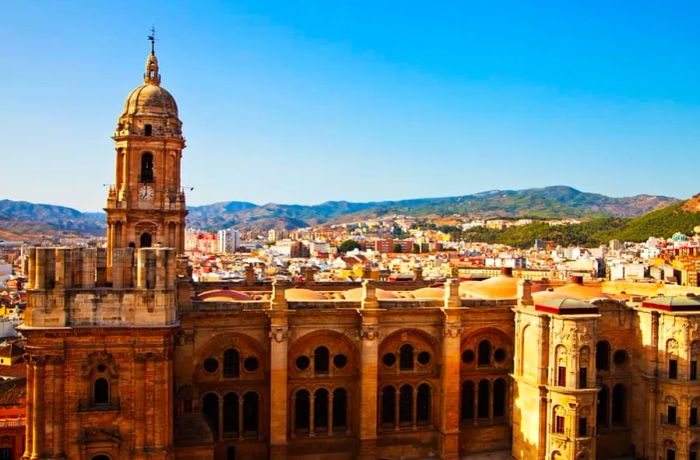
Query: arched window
101	391
388	400
321	411
302	410
231	414
423	404
602	410
467	400
231	363
583	368
146	240
321	360
340	410
146	168
602	356
619	405
482	404
694	353
499	398
96	457
210	409
405	405
406	357
484	353
672	352
250	414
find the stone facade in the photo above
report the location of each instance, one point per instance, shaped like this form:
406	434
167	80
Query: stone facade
128	359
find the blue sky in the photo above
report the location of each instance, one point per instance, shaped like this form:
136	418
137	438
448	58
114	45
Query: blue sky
308	101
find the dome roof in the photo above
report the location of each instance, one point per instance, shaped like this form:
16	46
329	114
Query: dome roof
301	294
356	294
429	293
224	295
150	99
498	287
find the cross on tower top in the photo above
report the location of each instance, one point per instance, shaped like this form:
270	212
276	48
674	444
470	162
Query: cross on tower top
152	39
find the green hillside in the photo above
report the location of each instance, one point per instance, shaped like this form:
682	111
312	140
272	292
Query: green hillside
662	223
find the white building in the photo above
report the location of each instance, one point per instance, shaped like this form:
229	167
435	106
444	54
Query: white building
228	241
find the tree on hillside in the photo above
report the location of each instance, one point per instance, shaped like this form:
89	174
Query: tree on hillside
348	245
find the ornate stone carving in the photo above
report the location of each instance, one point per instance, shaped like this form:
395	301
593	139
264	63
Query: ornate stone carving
279	333
452	330
368	332
184	338
96	359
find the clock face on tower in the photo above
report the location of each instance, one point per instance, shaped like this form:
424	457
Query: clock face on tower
146	192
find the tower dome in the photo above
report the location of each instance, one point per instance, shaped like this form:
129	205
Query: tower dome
150	109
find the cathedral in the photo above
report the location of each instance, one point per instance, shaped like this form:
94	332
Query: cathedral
129	358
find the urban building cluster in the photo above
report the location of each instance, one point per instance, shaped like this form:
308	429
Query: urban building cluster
167	343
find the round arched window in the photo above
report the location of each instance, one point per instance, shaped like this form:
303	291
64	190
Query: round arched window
211	365
389	359
251	363
423	358
303	362
620	357
468	356
340	361
499	355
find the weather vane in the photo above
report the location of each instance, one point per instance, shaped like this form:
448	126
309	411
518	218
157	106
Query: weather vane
152	39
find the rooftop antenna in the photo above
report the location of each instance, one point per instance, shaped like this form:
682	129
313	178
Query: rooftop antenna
152	39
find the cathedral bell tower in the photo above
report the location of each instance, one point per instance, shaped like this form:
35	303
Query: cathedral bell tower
146	204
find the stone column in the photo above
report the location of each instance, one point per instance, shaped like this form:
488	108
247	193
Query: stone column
278	371
312	414
140	403
38	418
369	355
330	412
31	388
240	418
160	422
59	407
450	372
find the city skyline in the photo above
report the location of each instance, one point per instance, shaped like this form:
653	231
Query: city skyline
266	91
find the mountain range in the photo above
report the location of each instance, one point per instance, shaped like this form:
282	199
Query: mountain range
23	218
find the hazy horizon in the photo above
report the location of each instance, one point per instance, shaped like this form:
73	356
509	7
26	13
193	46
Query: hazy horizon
191	205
